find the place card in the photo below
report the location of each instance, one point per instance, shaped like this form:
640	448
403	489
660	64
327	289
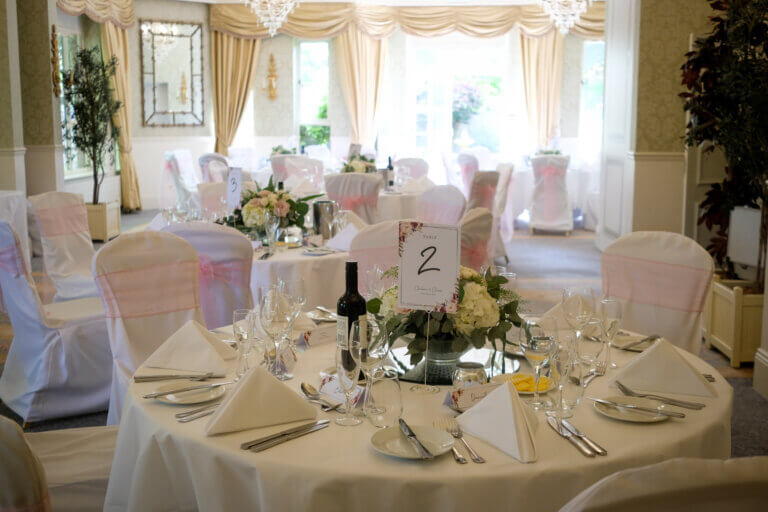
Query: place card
464	398
429	267
234	187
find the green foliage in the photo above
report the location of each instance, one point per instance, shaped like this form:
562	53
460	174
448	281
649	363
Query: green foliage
311	134
281	150
89	94
322	112
466	102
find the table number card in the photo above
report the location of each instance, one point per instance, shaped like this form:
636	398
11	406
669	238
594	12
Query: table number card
429	267
234	187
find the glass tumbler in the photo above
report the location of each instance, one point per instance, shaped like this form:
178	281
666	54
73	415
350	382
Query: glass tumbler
468	374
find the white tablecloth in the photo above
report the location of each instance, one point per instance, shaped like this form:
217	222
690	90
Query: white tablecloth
13	210
398	206
323	276
160	464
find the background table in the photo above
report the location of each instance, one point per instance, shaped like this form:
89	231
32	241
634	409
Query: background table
161	464
397	206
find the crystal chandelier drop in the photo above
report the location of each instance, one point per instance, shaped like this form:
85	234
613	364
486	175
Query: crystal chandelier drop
565	13
272	13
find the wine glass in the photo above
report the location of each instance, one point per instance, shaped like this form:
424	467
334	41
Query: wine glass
537	346
294	291
241	327
275	317
374	282
271	223
383	402
578	307
347	370
610	313
589	345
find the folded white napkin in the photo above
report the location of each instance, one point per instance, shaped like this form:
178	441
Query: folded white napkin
258	400
662	369
194	349
504	421
417	185
353	218
343	239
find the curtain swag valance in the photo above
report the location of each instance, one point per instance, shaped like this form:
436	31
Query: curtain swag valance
325	20
119	12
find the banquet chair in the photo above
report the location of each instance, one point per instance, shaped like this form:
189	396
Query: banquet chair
213	200
62	220
703	485
412	168
503	210
149	286
662	280
468	167
354	219
476	226
444	204
482	190
551	207
307	168
374	245
213	167
357	192
22	479
59	361
180	169
279	169
225	256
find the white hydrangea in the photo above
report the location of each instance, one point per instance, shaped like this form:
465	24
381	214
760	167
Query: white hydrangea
359	166
253	216
477	309
468	273
388	302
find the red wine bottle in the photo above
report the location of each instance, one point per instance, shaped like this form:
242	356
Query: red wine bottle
349	306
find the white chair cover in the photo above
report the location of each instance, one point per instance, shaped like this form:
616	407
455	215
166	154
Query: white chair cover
307	168
468	166
476	226
703	485
213	167
77	462
482	192
412	168
504	210
23	487
444	204
551	207
355	191
225	258
180	170
663	280
279	169
66	241
59	361
213	198
149	287
374	245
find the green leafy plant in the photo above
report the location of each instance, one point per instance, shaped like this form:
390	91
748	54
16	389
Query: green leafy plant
88	92
726	81
281	150
312	134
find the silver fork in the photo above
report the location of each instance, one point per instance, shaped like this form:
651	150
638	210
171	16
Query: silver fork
670	401
597	371
442	424
455	430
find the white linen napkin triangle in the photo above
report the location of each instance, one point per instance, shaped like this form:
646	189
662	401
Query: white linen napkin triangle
504	421
258	400
662	369
192	348
343	239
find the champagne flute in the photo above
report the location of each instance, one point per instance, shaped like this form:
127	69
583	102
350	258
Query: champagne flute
537	346
347	371
241	327
578	306
610	313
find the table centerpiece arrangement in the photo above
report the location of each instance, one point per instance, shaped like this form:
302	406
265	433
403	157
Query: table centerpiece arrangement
359	164
486	312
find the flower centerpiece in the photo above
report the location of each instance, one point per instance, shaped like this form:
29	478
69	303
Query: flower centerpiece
486	311
360	164
281	150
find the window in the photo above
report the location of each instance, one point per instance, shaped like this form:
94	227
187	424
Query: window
314	127
591	102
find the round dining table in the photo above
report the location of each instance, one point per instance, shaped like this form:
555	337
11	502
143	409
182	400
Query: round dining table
160	464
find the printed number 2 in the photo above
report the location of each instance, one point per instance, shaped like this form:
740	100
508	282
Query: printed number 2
431	250
234	184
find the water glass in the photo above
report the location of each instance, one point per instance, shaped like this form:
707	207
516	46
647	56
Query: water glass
468	374
537	345
242	329
383	402
609	312
275	318
560	363
271	223
347	371
589	344
578	306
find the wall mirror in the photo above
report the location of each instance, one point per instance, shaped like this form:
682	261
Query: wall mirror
171	73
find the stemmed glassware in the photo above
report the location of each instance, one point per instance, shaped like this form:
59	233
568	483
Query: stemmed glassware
271	223
537	346
610	313
561	362
347	370
242	329
275	317
383	403
578	307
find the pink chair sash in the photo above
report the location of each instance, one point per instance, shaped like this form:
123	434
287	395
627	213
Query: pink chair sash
62	221
236	273
484	196
150	291
655	283
474	256
355	203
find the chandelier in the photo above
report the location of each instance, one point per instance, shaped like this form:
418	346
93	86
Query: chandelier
272	13
565	13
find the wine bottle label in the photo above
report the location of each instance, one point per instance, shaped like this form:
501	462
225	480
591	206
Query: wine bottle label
342	331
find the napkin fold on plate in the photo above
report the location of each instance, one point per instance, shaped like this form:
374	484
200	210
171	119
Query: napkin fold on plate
192	348
417	185
343	239
258	400
504	421
663	369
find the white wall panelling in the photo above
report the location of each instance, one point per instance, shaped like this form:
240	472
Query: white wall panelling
110	188
40	160
12	169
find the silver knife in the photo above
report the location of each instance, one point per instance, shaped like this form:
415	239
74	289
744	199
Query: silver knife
181	390
578	433
577	442
200	414
200	376
411	436
248	444
638	408
280	440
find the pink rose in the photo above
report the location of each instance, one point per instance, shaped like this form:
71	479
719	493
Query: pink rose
282	208
255	202
263	193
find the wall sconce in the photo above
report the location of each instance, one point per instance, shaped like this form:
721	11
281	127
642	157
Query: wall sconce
270	84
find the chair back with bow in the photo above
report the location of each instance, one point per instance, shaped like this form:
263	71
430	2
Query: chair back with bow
306	168
23	486
374	245
662	280
213	167
468	167
225	258
444	204
149	286
476	227
357	192
482	192
551	207
412	168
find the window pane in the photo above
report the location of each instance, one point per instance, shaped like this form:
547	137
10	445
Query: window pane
312	135
313	75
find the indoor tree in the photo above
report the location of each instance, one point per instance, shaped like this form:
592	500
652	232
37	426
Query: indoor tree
726	77
87	91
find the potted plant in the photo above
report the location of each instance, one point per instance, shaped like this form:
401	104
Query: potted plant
726	78
89	95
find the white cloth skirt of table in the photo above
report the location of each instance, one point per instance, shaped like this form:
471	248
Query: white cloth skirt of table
323	276
397	206
161	464
13	210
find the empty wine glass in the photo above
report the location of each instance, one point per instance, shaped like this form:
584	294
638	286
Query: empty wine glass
274	316
241	327
589	344
610	313
271	223
383	403
578	306
537	346
347	371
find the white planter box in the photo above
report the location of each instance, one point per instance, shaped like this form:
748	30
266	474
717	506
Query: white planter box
103	220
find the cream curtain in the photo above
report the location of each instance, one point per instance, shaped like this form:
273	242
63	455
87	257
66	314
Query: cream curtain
360	60
323	20
233	67
543	80
115	44
119	12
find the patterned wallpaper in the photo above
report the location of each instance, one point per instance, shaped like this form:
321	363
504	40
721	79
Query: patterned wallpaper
571	96
665	27
274	118
6	122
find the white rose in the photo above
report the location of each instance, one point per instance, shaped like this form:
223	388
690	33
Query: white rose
253	216
388	302
359	165
477	309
